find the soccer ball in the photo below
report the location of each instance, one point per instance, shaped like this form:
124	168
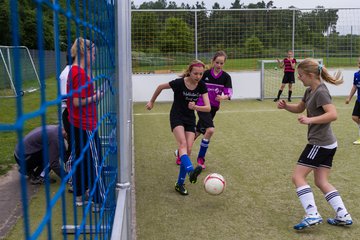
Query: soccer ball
275	68
214	184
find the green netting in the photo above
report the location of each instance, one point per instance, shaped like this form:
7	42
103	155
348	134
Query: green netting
271	78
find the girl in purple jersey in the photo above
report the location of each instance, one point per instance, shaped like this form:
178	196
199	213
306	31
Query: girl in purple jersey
187	90
356	110
219	86
322	144
288	64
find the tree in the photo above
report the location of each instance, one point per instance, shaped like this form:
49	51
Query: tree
144	32
257	5
253	46
27	26
5	36
172	5
159	4
270	4
314	27
216	6
200	5
183	6
236	5
177	36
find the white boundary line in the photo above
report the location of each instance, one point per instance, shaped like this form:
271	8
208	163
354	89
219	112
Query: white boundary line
237	111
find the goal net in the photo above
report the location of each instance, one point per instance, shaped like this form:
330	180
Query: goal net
271	77
29	81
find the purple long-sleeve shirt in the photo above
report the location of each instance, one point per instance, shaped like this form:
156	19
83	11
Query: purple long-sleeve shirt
33	143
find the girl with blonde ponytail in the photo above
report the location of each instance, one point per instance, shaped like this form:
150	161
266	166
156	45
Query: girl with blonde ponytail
321	147
311	66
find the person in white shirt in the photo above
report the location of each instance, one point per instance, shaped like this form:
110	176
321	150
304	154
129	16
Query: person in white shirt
63	80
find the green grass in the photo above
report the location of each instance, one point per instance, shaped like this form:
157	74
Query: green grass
231	65
8	115
255	147
37	211
246	64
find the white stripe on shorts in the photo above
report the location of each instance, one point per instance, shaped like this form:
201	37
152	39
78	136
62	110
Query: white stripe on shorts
313	152
96	162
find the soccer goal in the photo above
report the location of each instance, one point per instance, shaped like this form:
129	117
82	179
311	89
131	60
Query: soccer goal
29	82
271	77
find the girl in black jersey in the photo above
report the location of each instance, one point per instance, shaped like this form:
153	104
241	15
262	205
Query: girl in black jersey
187	91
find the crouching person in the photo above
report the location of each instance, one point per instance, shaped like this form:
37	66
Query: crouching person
33	147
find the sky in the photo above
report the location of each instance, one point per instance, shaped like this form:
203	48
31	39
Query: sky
277	3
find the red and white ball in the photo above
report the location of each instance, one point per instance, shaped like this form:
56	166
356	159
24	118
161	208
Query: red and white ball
214	184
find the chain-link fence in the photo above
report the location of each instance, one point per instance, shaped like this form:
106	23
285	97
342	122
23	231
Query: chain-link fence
165	40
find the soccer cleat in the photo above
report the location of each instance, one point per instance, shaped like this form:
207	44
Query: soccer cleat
201	162
289	99
181	189
178	160
96	207
308	221
82	200
193	175
40	180
36	180
357	142
340	221
276	99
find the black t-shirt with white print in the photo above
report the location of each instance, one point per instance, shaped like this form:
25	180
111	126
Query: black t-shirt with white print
182	97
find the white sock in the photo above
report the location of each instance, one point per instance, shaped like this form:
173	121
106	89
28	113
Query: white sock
307	200
334	199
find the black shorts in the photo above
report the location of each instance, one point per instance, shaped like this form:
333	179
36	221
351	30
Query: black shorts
289	77
206	120
34	164
188	124
356	111
315	156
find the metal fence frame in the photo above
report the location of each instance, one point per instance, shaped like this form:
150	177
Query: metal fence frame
124	227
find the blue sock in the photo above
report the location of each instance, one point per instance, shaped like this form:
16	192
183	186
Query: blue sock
185	167
203	148
187	163
182	175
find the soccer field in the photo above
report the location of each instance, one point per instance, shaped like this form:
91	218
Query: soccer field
255	147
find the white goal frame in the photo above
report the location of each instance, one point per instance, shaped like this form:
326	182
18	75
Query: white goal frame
7	64
262	77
